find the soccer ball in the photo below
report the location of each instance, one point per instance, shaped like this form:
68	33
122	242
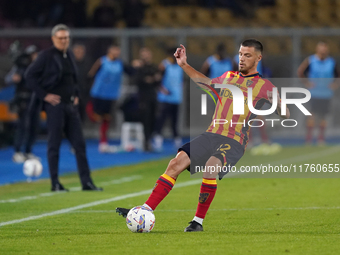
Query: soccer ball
140	219
32	168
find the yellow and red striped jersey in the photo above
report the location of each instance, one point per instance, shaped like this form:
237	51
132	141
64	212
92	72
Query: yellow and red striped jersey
224	111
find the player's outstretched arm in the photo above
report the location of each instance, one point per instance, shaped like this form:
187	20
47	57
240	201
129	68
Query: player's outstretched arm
196	76
278	108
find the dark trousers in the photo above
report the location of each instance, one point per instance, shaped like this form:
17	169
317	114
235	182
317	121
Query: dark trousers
148	118
32	123
167	111
20	129
65	117
28	125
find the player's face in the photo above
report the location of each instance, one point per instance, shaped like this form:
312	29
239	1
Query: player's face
248	59
322	50
79	52
145	55
61	40
114	52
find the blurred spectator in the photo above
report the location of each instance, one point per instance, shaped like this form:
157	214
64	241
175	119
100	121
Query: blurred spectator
148	81
320	69
133	12
83	64
170	97
217	64
105	15
107	72
20	104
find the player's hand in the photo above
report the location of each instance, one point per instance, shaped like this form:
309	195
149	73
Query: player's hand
137	63
309	84
53	99
181	56
149	79
16	78
334	86
270	97
76	101
164	90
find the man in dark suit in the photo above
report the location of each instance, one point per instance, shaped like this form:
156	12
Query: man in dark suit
53	77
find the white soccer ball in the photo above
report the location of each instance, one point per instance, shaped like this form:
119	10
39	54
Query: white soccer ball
32	168
140	219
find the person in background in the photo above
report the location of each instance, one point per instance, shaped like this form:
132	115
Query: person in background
217	64
83	65
53	77
321	70
21	103
107	72
169	97
148	80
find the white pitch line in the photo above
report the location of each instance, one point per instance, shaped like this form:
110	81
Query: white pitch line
225	209
48	194
95	203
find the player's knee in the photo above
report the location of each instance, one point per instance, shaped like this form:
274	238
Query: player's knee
174	167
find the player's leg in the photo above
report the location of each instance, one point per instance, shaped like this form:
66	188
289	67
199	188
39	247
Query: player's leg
227	152
174	120
263	131
322	114
207	193
103	108
90	110
322	127
18	156
32	125
55	124
312	120
165	182
162	116
104	127
310	127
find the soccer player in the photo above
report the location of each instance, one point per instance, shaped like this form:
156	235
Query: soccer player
265	73
222	144
320	69
107	72
169	97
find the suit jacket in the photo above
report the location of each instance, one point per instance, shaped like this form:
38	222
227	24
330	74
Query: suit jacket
46	71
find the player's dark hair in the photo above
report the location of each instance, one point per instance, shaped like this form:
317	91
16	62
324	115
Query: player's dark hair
113	45
253	43
221	47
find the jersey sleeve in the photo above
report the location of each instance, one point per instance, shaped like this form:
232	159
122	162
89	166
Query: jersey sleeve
219	80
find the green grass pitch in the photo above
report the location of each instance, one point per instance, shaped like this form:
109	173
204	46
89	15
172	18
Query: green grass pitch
247	216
